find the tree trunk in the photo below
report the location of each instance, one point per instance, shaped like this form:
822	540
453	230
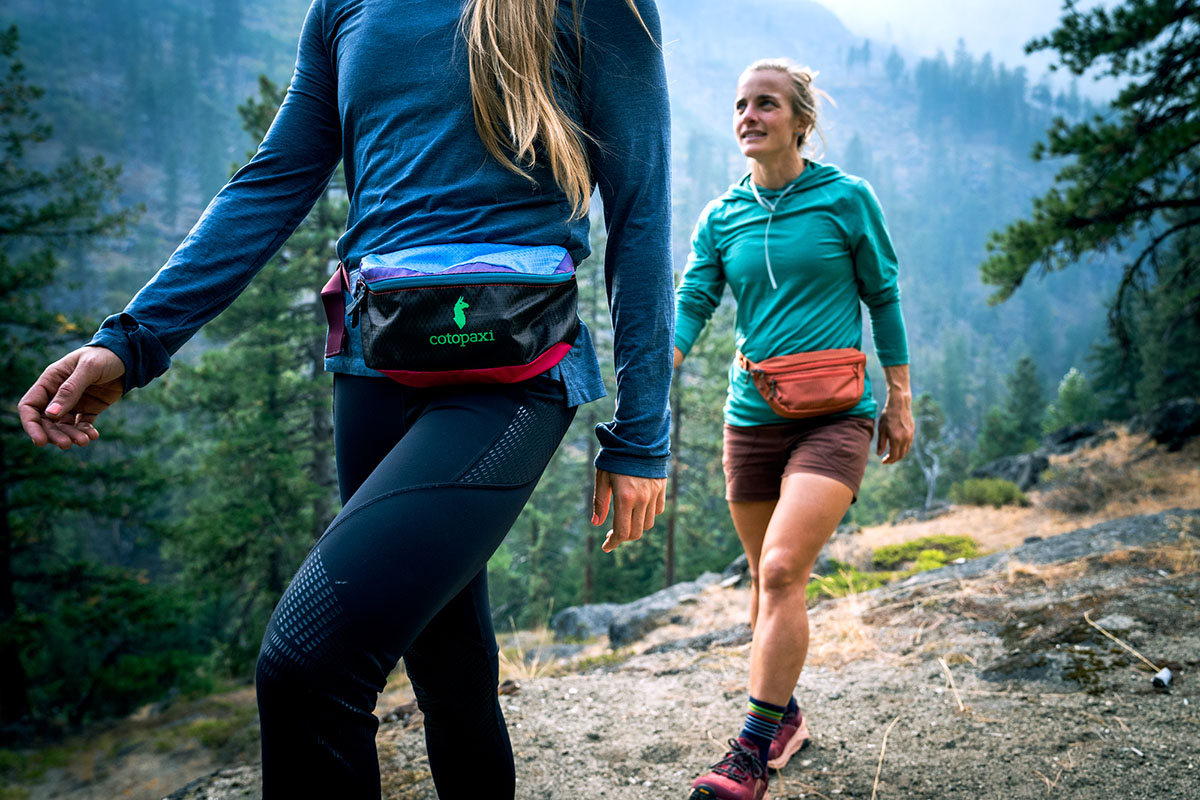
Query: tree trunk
673	503
14	683
589	537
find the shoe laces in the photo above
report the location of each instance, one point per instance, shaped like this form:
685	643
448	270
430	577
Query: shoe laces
740	763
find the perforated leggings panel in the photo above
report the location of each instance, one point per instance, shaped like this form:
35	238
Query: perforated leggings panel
431	481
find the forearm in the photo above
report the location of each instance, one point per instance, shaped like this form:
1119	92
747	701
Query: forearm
899	391
624	99
243	226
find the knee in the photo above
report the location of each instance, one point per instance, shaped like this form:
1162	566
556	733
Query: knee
781	571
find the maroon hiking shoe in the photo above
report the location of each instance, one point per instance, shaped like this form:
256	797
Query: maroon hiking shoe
740	775
789	740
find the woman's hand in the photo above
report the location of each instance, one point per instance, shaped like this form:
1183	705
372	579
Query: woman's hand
678	357
635	501
62	404
896	425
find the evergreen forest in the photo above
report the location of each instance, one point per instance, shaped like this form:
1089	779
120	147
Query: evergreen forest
1049	252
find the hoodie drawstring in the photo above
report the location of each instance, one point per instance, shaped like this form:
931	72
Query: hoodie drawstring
770	207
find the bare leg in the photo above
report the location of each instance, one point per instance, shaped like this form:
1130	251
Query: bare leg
750	519
809	509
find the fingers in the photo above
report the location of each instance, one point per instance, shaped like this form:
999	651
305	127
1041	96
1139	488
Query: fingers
636	501
30	411
70	391
895	441
881	441
601	495
35	408
622	529
61	406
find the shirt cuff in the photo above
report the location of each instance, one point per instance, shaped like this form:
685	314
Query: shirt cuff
139	349
631	465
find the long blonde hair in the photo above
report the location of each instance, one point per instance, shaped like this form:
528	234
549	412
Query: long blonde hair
511	47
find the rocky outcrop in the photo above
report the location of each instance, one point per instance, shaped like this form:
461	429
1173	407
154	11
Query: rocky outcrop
938	509
235	783
580	623
1023	470
1172	424
632	621
1077	437
1142	531
726	637
628	622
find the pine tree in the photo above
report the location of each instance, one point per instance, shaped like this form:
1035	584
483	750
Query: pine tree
1132	177
258	446
1026	403
1076	402
50	502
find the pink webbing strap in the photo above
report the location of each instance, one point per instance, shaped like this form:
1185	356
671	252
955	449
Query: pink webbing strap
335	310
513	374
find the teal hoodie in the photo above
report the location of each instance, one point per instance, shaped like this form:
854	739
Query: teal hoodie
829	249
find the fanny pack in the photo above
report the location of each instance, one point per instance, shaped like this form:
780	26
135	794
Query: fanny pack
810	384
476	313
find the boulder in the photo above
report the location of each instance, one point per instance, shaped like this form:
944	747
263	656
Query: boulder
737	573
579	623
1173	423
632	621
726	637
1072	437
550	653
1023	470
922	514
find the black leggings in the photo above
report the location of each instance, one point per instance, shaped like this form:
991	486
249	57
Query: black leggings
431	481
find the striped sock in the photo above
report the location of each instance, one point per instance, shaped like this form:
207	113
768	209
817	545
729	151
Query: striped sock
792	707
762	723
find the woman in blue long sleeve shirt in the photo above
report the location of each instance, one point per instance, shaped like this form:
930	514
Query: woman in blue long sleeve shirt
417	101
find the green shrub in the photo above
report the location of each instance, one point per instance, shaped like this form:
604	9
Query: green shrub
845	580
928	552
994	492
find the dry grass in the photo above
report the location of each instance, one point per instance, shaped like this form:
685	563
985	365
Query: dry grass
1159	481
838	633
513	663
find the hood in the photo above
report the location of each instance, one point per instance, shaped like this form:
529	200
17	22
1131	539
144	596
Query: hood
814	175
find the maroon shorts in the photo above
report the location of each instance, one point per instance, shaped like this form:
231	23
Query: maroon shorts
757	457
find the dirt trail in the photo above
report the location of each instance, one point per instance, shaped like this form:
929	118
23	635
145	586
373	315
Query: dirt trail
1040	705
986	679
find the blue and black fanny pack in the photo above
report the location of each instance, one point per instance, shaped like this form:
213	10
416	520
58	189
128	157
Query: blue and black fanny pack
469	313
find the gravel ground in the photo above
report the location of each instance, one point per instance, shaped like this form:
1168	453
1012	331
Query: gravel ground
989	685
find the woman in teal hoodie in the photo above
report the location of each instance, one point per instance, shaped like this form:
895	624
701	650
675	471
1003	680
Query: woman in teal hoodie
802	246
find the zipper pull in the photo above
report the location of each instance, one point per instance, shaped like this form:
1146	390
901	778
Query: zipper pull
355	308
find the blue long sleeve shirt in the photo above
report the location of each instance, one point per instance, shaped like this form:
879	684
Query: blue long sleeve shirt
382	86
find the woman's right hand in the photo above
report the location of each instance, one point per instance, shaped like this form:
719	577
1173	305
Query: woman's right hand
62	404
678	357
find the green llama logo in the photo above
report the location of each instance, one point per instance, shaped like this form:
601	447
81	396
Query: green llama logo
462	339
460	319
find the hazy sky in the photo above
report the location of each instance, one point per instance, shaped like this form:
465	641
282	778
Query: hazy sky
923	26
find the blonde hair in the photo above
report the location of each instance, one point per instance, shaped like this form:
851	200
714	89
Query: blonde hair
804	95
511	48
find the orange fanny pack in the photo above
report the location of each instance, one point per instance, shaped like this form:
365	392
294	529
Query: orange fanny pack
810	384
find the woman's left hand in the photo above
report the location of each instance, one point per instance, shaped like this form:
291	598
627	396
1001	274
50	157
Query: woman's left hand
896	426
635	502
